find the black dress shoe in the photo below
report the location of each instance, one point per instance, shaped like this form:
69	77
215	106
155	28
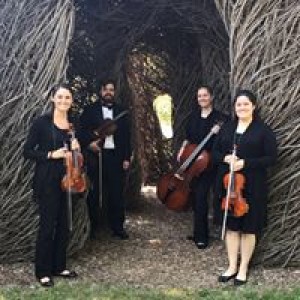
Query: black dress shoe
201	245
239	282
46	281
190	238
67	274
224	278
123	235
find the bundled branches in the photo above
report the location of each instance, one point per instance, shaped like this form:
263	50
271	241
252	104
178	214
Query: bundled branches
264	56
151	47
34	38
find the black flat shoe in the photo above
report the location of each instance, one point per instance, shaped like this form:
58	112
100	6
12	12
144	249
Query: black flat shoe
239	282
224	278
67	274
201	245
46	281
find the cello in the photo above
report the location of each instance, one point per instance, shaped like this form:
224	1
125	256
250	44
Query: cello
173	189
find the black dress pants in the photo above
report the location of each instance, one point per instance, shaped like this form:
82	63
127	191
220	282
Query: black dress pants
112	190
201	187
93	195
113	180
51	244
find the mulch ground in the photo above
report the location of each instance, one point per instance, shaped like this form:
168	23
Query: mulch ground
156	255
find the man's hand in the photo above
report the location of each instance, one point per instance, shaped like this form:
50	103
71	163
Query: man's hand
94	146
126	164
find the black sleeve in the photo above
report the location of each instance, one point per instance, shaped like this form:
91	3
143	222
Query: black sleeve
218	153
31	146
269	149
85	134
188	129
128	150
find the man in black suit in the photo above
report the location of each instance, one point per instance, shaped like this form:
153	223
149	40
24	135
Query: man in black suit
115	151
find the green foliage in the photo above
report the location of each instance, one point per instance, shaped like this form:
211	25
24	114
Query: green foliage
106	292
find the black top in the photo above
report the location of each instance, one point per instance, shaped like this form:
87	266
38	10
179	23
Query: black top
198	128
43	137
92	118
257	146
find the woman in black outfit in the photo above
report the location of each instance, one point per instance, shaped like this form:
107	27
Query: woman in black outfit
46	146
256	150
198	127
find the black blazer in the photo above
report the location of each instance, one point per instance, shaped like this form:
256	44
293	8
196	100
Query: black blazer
257	147
43	137
92	118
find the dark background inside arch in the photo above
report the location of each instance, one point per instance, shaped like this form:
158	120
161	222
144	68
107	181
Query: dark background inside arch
151	48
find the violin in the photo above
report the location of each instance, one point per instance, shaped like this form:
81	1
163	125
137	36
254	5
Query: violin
173	189
234	183
74	181
107	128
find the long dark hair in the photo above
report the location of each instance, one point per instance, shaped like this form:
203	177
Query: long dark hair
53	91
63	85
252	98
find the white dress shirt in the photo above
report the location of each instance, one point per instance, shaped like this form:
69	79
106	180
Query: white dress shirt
109	140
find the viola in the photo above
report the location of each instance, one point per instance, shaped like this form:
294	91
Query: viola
74	181
237	204
234	183
173	189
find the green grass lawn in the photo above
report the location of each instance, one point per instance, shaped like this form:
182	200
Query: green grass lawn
106	292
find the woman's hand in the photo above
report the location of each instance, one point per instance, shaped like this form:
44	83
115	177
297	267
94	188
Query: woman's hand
59	153
75	144
180	152
238	164
228	158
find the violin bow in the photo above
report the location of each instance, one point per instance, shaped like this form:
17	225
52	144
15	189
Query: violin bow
69	202
228	193
100	178
119	116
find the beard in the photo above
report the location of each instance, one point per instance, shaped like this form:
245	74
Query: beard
108	99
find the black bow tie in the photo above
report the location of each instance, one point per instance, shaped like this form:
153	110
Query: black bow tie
107	106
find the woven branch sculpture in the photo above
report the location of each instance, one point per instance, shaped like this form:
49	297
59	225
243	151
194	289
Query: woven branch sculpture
152	48
264	55
34	37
